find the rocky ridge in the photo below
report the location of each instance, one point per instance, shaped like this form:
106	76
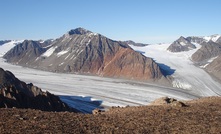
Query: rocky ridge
15	93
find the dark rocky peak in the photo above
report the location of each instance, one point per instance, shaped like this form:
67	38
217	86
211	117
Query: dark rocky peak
130	42
79	30
26	44
4	41
182	38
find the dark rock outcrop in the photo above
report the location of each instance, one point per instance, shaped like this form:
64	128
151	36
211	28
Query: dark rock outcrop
82	51
182	44
168	101
15	93
4	41
130	42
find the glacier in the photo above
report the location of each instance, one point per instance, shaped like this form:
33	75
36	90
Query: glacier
86	93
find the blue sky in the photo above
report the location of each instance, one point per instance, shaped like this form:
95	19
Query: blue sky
146	21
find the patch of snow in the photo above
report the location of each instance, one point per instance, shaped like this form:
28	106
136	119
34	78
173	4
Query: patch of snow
208	62
49	52
49	45
82	40
42	41
63	52
72	56
204	66
88	42
61	64
37	59
67	56
182	44
212	59
207	38
92	34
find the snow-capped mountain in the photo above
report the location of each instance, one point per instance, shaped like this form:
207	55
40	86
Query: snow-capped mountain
82	51
182	44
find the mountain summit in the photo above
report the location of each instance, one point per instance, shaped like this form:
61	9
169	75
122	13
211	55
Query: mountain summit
79	30
182	44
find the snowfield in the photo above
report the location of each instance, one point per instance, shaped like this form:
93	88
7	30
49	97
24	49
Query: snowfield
89	92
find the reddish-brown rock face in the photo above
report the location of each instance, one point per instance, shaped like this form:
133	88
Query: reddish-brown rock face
130	64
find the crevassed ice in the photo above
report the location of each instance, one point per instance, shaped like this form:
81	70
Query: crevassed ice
181	84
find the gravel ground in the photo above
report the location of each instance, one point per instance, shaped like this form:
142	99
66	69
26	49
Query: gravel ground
199	116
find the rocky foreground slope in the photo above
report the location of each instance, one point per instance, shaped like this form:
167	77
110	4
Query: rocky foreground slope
199	116
85	52
15	93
